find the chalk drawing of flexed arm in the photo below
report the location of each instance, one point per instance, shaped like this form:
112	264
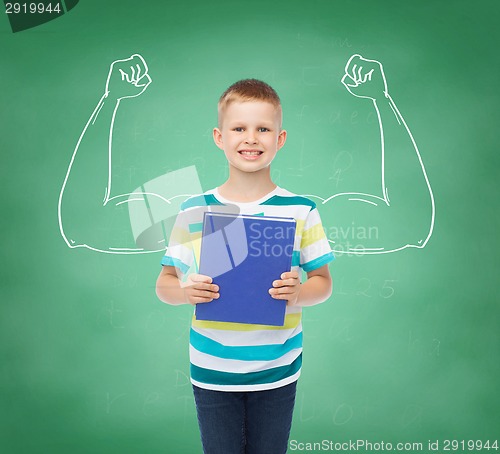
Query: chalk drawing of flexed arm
402	214
90	215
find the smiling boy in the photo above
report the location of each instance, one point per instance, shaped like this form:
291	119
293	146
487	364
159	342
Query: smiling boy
244	376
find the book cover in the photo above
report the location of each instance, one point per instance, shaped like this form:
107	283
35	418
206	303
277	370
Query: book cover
244	254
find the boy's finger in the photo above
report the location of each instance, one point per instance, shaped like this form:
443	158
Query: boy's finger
200	278
290	275
285	282
197	300
206	294
274	293
280	291
281	296
206	286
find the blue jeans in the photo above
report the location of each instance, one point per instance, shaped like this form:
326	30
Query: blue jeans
252	422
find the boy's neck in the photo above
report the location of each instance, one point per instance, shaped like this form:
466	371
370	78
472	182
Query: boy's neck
247	186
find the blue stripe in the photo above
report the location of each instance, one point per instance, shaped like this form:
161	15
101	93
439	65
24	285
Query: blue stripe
317	262
289	200
243	353
196	227
171	261
296	258
272	375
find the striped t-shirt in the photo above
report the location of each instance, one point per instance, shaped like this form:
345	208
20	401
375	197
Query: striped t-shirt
238	356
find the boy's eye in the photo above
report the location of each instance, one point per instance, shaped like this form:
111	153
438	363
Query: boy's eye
241	129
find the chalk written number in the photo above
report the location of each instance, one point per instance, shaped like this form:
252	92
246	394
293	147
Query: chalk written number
32	8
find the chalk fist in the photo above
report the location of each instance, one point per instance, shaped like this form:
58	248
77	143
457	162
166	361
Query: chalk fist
365	78
127	78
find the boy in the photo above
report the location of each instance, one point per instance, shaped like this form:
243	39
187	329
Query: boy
244	376
256	365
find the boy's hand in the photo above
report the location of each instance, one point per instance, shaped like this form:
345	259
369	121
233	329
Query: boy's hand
127	78
287	288
365	78
199	289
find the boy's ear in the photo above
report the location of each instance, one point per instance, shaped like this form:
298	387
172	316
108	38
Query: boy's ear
281	138
218	138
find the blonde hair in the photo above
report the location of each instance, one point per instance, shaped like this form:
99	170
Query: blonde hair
248	90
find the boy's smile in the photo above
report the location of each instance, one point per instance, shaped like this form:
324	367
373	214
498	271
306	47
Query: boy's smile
250	134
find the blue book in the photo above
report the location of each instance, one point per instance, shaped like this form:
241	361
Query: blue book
244	254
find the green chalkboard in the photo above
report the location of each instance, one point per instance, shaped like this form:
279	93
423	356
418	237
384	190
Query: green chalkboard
406	350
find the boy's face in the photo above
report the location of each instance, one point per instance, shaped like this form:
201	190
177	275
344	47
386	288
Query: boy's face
250	134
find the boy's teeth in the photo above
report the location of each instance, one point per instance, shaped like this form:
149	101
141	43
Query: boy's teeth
250	153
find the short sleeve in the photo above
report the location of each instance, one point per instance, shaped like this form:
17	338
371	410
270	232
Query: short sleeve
179	252
315	250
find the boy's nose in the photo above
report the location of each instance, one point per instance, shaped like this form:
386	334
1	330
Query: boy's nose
250	138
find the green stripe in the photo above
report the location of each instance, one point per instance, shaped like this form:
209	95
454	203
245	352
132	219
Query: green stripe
320	261
295	200
200	201
243	353
296	258
272	375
